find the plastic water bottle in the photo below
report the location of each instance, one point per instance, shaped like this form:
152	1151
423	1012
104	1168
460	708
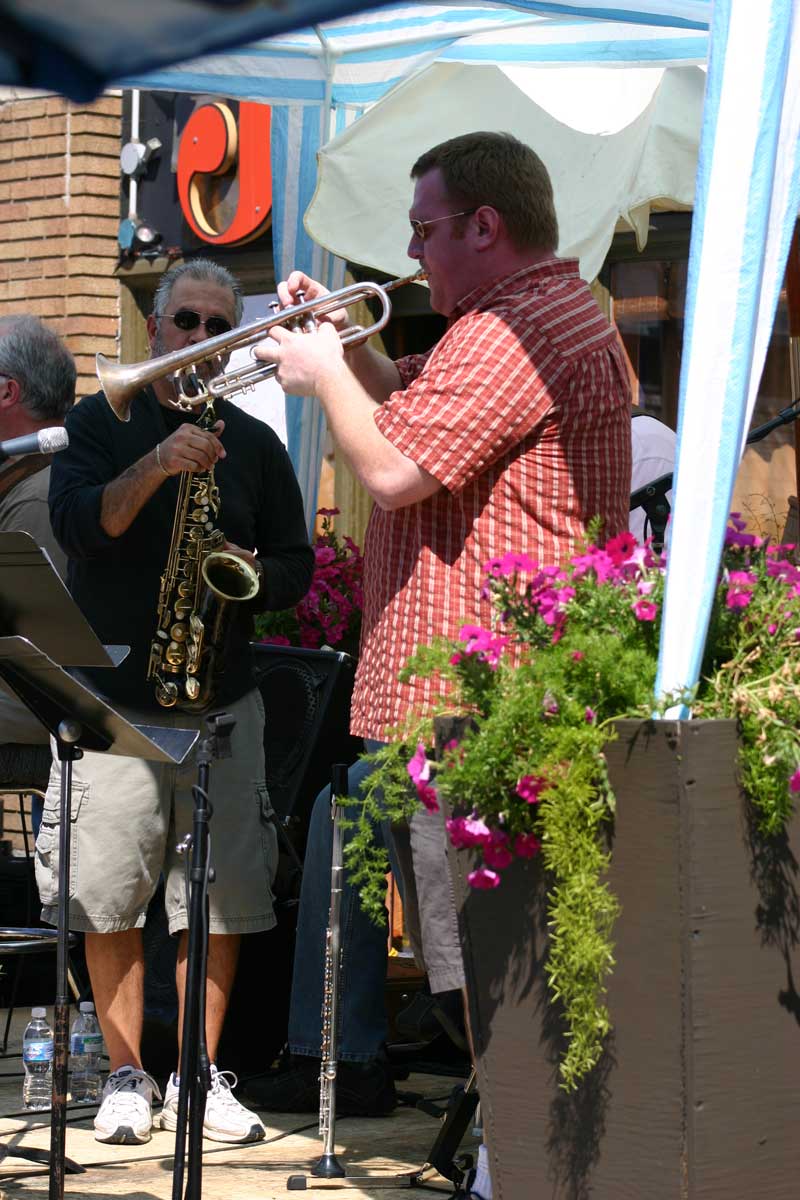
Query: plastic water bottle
37	1056
85	1048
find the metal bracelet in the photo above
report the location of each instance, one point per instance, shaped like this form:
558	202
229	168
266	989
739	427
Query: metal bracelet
158	460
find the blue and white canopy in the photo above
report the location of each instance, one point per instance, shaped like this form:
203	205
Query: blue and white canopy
747	196
319	80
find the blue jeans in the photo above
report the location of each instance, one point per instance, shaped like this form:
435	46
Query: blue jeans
363	1025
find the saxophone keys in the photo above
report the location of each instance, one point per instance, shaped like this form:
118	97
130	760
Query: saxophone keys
174	656
178	631
166	694
192	687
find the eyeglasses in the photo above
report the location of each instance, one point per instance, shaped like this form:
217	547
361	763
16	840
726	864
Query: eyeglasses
419	227
187	319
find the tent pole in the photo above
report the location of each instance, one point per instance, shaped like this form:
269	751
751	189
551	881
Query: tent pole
329	59
793	312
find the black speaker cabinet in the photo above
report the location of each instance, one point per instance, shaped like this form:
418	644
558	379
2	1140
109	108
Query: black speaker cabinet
306	696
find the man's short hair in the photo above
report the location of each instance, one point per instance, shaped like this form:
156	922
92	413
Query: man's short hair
41	364
203	270
499	170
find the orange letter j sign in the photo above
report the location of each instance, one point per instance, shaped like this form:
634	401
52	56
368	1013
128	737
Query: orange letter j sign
211	148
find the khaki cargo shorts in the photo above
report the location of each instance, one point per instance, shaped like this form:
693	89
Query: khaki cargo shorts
128	816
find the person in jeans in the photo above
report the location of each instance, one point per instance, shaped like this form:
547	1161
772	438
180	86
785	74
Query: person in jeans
113	503
510	435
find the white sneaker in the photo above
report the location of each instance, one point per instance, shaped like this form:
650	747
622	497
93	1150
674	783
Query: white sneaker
124	1116
226	1120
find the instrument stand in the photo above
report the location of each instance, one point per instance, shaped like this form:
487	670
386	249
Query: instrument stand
195	1068
68	734
441	1158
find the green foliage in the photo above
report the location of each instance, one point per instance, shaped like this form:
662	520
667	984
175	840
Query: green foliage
573	650
387	795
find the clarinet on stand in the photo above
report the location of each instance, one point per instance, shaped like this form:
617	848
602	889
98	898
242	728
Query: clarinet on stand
441	1156
329	1166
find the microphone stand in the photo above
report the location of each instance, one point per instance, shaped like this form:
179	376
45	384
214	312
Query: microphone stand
195	1068
653	496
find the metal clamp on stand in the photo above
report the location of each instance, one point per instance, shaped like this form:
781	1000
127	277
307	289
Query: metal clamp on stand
195	1068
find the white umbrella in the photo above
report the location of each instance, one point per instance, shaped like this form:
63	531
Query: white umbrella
617	144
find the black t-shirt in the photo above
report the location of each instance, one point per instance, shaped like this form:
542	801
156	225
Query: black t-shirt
115	581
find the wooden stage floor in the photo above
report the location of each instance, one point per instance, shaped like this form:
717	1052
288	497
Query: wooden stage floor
385	1146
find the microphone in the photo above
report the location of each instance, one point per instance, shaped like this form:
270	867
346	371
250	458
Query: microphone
45	441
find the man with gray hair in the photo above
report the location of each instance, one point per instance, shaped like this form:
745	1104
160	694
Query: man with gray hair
37	390
114	502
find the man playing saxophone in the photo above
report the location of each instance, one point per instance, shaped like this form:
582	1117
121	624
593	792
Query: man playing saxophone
135	506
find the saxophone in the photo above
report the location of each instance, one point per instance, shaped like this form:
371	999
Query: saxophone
199	584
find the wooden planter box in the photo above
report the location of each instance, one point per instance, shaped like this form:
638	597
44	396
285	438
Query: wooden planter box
698	1093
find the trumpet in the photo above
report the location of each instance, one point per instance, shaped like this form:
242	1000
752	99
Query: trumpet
121	381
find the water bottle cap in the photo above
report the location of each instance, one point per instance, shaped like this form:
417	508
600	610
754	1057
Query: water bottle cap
38	1013
86	1006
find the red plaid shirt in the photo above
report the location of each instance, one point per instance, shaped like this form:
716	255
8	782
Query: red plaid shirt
522	413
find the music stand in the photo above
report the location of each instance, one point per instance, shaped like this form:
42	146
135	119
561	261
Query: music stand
35	604
37	611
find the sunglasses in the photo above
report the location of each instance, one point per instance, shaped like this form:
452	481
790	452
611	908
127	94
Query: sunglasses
186	319
419	227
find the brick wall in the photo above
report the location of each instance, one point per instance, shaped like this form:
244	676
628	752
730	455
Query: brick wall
59	215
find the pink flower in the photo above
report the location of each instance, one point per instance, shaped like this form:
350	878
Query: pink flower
644	610
530	788
276	639
482	642
467	831
510	564
621	547
577	655
419	768
483	878
590	714
428	797
496	853
526	845
328	512
737	599
794	782
734	537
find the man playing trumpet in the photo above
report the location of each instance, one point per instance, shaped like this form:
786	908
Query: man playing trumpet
113	498
511	434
